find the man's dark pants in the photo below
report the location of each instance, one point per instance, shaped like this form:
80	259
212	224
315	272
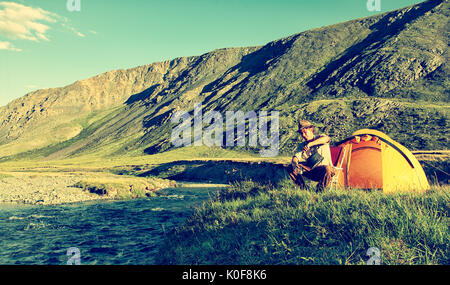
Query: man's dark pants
322	174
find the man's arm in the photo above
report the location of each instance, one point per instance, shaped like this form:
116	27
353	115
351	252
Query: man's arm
320	140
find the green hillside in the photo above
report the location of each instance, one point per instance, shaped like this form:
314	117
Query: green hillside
388	72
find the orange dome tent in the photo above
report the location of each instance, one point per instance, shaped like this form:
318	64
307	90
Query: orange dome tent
370	159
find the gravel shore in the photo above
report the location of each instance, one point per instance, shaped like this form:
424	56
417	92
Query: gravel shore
43	190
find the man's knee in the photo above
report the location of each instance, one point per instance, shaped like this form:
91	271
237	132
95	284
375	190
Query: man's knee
295	166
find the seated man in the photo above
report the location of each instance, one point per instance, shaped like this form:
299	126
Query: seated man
322	171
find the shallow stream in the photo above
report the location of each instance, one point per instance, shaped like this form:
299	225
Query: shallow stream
104	232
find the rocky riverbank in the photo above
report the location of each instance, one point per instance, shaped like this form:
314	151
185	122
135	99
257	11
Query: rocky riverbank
43	190
59	188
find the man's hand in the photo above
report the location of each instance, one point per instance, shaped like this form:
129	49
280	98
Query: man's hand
320	140
307	147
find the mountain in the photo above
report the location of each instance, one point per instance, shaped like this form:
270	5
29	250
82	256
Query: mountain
388	72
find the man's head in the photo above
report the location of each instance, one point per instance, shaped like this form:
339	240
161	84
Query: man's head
306	130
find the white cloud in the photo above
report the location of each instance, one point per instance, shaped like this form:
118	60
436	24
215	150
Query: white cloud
8	46
20	22
73	30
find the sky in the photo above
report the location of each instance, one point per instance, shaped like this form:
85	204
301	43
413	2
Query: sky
53	43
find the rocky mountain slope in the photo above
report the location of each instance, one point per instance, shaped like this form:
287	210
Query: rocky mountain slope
388	72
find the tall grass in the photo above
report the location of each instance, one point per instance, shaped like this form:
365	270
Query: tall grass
249	223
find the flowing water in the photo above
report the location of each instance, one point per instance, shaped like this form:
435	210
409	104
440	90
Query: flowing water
104	232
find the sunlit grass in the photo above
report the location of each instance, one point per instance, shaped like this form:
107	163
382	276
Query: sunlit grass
251	223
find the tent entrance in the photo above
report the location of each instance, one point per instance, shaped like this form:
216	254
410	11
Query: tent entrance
366	170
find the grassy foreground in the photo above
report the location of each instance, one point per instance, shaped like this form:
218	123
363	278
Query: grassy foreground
249	223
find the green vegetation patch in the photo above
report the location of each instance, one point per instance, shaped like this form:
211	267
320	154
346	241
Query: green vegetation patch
250	223
124	187
3	175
